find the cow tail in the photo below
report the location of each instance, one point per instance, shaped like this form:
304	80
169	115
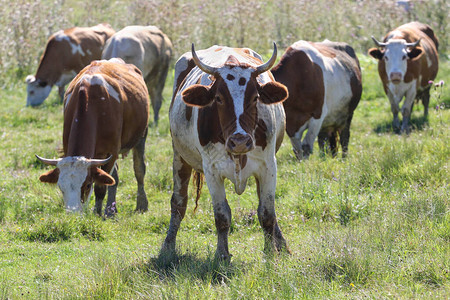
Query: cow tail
198	183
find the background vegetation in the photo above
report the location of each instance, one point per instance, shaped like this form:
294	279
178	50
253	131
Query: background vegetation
376	225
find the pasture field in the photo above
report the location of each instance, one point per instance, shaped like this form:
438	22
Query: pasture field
375	225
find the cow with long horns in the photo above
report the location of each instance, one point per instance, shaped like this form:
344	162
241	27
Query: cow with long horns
226	121
408	61
106	111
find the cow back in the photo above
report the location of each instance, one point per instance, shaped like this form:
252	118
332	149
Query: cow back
105	106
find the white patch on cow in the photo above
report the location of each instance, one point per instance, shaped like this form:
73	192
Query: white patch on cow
73	172
236	90
98	79
76	48
65	78
394	54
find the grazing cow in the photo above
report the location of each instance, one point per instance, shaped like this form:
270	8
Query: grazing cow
227	121
149	49
324	83
66	53
106	111
406	68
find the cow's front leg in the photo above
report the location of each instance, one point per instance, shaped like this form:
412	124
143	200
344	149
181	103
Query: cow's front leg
395	109
406	111
139	173
266	184
178	203
222	212
111	205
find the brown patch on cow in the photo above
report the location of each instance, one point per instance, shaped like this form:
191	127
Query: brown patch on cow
218	49
304	80
324	50
261	134
212	132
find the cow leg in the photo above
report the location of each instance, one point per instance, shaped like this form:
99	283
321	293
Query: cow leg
333	143
344	136
296	141
395	109
266	184
311	135
178	203
61	92
426	102
222	212
321	140
100	192
111	207
139	173
406	111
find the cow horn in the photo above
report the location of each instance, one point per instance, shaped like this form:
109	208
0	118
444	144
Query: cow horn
379	44
99	162
51	162
266	67
414	44
204	67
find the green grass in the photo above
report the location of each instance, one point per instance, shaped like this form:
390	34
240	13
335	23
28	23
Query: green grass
374	225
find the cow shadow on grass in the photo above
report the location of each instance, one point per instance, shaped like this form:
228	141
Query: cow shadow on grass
169	266
416	123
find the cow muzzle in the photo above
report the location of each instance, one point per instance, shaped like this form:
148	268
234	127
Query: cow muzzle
240	143
396	77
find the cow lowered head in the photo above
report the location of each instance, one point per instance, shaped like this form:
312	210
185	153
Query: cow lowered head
75	176
234	94
37	90
395	53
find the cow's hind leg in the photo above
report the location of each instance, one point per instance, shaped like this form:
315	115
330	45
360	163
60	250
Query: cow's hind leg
100	192
426	101
139	173
344	136
273	237
333	143
178	203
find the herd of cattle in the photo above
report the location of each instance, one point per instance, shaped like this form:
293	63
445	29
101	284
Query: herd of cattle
228	112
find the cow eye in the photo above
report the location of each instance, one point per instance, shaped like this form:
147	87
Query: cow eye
385	58
42	83
404	57
219	100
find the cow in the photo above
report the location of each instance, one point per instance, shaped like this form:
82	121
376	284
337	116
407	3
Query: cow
324	84
226	121
67	52
106	112
149	49
407	62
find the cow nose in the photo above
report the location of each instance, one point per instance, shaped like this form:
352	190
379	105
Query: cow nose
240	143
396	77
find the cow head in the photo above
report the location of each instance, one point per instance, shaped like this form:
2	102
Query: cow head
395	54
235	91
75	176
37	90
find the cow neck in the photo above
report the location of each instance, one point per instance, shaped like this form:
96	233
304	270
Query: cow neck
50	67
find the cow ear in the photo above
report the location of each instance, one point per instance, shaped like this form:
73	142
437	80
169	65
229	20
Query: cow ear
272	92
415	52
375	53
197	95
101	177
50	176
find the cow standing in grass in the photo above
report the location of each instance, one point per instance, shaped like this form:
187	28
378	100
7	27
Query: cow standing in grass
106	112
149	49
66	53
407	62
324	83
227	121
